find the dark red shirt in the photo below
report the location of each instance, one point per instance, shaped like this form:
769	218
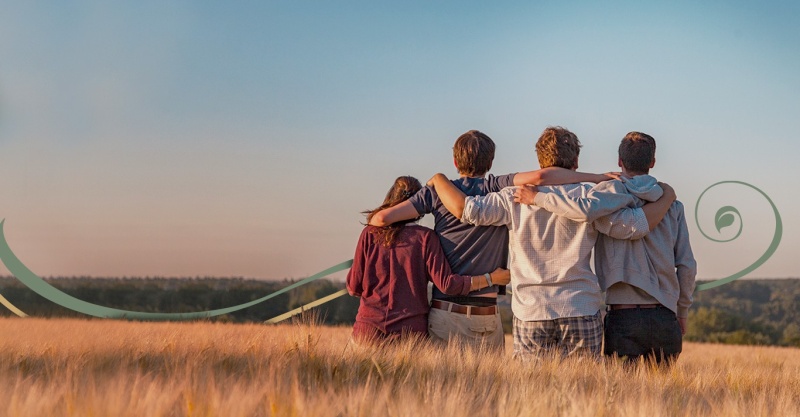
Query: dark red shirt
393	281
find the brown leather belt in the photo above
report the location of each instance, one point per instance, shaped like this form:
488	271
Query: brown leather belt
462	309
629	306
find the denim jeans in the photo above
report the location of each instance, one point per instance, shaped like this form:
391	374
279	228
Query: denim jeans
650	332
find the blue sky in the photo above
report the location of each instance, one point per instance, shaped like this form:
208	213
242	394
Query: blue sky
243	139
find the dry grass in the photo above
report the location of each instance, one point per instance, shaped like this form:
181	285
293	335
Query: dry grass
114	368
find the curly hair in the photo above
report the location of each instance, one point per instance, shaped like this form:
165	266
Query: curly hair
402	189
558	147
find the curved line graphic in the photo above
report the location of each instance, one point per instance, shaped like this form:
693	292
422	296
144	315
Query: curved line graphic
298	310
39	286
11	307
776	238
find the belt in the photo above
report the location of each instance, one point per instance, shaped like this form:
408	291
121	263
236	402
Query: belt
629	306
462	309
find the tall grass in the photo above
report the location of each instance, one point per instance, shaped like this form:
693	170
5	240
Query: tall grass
69	367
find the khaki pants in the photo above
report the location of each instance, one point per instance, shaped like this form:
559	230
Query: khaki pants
478	331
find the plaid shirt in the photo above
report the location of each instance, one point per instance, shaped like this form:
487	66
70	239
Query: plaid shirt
550	273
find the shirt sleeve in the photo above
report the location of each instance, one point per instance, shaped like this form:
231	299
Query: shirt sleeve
495	184
439	270
488	210
355	277
628	223
685	264
601	200
423	200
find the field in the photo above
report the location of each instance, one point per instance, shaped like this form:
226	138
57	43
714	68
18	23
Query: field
68	367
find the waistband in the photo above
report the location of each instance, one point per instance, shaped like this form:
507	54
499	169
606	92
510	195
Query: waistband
462	309
470	301
630	306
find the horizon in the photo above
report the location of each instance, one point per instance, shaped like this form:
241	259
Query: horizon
243	140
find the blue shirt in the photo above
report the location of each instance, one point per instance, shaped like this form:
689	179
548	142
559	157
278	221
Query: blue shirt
470	250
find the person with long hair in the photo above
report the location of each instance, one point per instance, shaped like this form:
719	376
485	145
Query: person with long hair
391	270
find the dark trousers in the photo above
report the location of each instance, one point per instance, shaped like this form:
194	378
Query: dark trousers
650	332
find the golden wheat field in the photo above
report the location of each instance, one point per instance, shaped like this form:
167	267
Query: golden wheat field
67	367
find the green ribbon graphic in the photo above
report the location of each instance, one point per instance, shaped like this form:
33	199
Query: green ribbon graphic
39	286
725	217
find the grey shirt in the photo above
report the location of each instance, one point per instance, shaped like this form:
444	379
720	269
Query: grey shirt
470	250
657	268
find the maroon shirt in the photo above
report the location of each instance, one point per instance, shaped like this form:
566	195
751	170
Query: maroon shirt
393	281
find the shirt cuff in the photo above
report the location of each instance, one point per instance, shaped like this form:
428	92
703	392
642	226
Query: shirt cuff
469	208
683	312
539	199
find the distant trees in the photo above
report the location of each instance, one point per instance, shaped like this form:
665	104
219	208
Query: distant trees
178	295
752	312
748	312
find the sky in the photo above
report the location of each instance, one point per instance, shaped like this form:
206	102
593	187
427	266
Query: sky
244	138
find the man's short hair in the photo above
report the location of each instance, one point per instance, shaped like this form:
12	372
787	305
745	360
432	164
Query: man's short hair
637	152
558	147
473	153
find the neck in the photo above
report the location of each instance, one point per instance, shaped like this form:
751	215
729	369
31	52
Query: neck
632	173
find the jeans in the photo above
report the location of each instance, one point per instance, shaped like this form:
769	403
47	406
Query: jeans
650	332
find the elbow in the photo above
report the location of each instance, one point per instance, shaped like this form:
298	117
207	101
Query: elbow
379	219
538	178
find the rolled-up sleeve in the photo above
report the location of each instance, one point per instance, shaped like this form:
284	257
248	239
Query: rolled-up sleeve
489	210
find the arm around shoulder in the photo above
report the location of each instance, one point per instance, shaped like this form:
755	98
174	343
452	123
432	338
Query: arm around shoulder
559	176
400	212
449	194
656	211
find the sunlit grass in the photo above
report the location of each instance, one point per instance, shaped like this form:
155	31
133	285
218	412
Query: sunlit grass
116	368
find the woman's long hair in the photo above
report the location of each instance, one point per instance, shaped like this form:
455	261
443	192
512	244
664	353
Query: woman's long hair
402	189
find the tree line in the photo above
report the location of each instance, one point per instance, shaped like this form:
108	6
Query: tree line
754	312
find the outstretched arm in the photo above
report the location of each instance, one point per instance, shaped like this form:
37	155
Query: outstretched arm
558	176
656	210
449	194
400	212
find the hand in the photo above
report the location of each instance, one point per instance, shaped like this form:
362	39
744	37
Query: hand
669	192
438	177
608	176
501	276
682	323
525	194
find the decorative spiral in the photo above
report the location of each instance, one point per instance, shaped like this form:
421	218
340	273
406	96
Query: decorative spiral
725	217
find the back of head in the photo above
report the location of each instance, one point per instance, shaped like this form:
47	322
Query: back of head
402	189
473	153
637	152
558	147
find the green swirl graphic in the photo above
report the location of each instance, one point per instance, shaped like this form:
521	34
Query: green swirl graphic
39	286
725	217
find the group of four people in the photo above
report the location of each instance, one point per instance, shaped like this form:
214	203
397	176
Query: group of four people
535	230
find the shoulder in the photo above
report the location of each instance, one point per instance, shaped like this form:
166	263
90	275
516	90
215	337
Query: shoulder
677	206
571	190
422	200
415	232
611	186
505	178
495	183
